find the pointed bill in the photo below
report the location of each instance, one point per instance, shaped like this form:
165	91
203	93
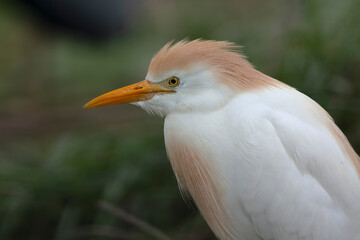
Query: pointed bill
140	91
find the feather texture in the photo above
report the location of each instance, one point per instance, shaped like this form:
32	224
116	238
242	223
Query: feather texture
227	63
284	173
260	159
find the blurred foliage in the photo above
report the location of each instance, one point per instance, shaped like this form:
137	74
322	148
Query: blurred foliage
58	160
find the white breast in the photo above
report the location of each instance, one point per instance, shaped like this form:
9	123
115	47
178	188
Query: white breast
258	170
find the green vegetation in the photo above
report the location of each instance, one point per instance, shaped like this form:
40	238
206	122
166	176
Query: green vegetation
58	160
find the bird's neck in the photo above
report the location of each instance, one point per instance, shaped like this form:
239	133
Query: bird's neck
197	174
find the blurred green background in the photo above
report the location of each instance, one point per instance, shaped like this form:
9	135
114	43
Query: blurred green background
57	160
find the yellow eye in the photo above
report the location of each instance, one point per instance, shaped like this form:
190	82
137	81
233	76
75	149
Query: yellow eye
173	81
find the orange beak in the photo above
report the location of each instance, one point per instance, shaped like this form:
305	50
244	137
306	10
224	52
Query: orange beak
140	91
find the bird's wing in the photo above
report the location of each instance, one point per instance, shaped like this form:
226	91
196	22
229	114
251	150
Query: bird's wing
306	186
317	154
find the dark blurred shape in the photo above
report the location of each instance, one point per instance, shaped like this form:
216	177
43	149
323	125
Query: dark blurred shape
98	19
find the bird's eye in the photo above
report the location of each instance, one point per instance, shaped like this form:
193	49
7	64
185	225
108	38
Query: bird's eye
173	81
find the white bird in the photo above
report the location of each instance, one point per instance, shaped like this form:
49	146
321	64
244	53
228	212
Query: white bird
260	159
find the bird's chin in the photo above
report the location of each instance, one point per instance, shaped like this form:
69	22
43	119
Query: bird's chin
142	104
151	108
136	103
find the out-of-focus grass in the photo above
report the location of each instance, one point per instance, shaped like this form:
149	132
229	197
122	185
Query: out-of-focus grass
57	160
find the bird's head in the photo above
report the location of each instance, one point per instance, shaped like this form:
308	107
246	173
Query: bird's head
187	76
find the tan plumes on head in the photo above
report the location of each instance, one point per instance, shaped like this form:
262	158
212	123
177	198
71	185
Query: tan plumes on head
224	58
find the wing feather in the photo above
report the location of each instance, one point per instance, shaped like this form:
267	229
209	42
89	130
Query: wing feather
304	184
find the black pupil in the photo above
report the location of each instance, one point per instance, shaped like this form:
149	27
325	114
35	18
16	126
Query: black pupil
173	81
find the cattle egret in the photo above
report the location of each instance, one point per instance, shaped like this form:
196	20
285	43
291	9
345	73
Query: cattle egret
260	159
